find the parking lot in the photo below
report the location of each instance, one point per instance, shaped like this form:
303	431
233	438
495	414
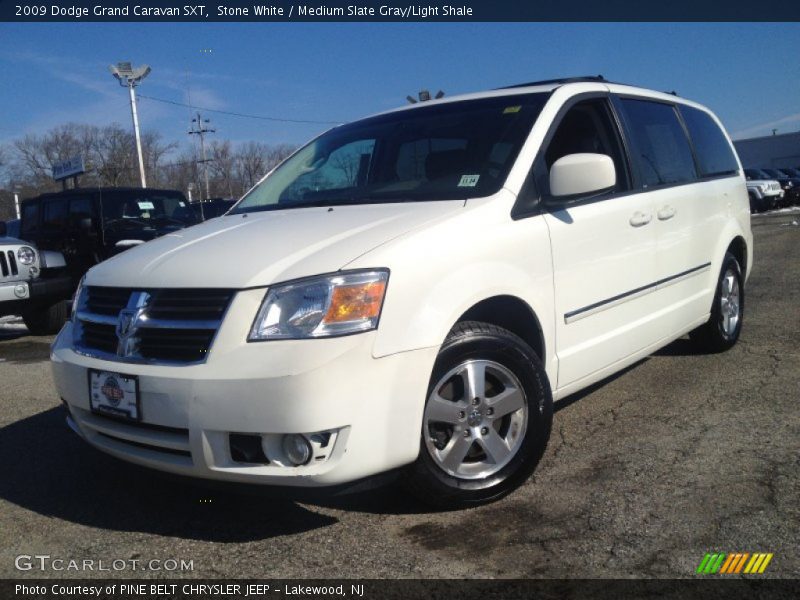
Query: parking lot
680	455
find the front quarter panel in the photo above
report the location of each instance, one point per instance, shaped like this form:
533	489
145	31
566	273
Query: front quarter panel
438	273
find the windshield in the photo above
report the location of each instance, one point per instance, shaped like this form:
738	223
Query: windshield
756	174
146	208
791	172
773	173
445	151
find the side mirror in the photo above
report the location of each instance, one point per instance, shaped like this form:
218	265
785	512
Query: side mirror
581	174
3	229
52	260
125	244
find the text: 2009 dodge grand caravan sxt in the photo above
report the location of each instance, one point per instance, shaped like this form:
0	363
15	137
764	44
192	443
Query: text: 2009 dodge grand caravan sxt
414	290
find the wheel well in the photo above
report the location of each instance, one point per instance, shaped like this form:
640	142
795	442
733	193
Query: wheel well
738	247
511	313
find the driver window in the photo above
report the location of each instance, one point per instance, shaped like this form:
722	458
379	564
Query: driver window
586	127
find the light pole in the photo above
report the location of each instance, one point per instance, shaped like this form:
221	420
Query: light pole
129	77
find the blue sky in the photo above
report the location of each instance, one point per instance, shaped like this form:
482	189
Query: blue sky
53	73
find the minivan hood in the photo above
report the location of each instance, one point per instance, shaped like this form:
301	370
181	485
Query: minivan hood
261	248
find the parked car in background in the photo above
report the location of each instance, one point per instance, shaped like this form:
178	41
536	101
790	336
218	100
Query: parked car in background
790	185
212	208
764	193
408	293
791	172
89	225
33	284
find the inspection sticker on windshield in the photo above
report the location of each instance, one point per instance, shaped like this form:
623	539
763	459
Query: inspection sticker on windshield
469	180
512	109
146	205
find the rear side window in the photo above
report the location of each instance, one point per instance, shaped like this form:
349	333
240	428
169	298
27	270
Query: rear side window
30	219
55	214
660	148
79	208
713	152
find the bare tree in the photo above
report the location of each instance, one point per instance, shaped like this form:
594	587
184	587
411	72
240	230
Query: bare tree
223	169
110	159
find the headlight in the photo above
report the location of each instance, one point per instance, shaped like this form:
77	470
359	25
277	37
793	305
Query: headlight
76	299
322	306
26	255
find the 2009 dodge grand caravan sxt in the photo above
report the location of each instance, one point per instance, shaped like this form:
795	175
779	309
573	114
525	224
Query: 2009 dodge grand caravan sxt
412	291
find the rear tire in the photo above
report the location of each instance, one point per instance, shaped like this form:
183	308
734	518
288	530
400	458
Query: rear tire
487	418
48	320
724	326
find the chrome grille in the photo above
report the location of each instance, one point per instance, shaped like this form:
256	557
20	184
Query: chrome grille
174	326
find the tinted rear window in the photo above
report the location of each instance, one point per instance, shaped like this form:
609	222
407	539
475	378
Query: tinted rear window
30	219
659	144
713	152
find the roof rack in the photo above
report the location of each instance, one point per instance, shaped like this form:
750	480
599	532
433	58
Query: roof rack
585	78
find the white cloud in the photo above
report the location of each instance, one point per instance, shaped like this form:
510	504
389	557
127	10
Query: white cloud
766	128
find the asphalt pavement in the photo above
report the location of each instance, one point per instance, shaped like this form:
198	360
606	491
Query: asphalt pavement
680	455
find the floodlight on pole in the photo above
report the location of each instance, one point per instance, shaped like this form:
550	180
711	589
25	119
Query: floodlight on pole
129	77
425	96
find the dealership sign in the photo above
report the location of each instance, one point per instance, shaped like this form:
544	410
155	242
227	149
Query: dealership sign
68	168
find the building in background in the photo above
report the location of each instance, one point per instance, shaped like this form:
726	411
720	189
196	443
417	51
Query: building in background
776	151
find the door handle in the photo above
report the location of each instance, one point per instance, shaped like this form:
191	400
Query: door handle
666	212
639	218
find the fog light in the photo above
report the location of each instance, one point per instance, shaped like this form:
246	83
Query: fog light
297	448
20	291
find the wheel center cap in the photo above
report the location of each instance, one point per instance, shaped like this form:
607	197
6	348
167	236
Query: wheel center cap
475	418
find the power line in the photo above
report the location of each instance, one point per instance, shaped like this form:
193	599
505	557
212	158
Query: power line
238	114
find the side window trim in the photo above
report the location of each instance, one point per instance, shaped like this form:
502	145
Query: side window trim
692	148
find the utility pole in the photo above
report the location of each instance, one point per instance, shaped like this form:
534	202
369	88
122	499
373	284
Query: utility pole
129	77
199	128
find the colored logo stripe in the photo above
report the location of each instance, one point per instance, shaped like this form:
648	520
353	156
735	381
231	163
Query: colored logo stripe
734	563
711	563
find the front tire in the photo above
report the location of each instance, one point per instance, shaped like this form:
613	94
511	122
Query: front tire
724	326
46	320
487	418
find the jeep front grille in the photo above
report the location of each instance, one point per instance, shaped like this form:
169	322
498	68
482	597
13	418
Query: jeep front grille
8	264
174	326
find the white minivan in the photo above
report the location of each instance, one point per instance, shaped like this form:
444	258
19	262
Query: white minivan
409	293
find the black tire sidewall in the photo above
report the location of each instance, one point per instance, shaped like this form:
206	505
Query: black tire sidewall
716	313
46	320
505	348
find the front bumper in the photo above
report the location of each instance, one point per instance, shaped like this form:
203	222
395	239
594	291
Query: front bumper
13	297
372	406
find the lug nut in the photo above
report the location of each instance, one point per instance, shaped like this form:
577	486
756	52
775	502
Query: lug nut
466	433
490	411
484	430
461	414
476	401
